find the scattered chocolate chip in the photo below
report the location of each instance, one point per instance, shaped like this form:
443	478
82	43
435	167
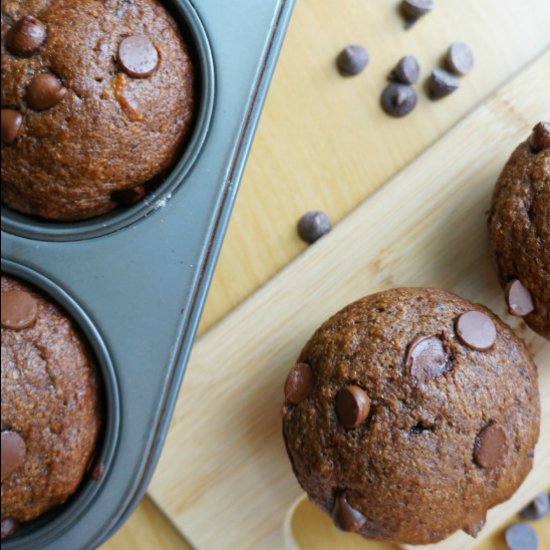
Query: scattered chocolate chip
313	225
538	508
127	197
398	99
352	60
413	10
427	358
12	125
491	446
521	536
442	83
460	58
519	299
13	452
298	383
540	138
406	71
138	56
19	309
474	528
352	406
345	516
476	330
45	91
26	36
8	527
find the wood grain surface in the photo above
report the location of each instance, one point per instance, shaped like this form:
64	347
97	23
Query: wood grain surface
324	143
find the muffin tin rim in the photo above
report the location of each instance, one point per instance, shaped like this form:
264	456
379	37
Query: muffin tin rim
70	511
23	225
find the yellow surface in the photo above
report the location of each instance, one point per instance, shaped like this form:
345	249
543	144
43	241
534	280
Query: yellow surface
324	143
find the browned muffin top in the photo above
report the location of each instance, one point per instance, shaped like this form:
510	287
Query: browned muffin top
519	227
97	98
50	405
410	413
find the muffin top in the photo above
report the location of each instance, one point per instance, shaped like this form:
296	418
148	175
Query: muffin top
50	405
97	99
410	413
519	228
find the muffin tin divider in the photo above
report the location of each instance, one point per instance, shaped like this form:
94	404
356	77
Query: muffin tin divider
143	286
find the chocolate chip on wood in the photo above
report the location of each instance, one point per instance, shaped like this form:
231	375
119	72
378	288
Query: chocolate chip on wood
442	83
352	60
398	100
313	225
406	71
521	536
413	10
459	58
538	508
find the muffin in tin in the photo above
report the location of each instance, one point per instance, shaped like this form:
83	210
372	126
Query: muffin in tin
97	101
410	413
519	228
51	405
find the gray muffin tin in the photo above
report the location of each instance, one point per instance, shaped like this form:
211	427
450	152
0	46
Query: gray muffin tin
135	280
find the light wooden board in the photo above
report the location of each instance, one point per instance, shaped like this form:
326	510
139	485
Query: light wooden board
224	479
323	143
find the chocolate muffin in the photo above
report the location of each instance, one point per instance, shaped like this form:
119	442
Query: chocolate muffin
519	228
97	99
50	405
410	413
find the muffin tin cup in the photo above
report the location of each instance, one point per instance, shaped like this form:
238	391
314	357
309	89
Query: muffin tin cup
135	280
33	227
51	525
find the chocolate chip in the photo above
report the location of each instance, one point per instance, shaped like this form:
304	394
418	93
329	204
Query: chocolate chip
474	528
8	527
406	71
313	225
45	91
413	10
352	60
519	299
476	330
345	516
398	99
26	36
298	383
427	358
540	138
19	309
460	58
521	536
538	508
352	406
138	56
442	83
491	446
13	452
12	125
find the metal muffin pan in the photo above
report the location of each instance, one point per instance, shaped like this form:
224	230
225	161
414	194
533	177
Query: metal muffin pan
135	280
